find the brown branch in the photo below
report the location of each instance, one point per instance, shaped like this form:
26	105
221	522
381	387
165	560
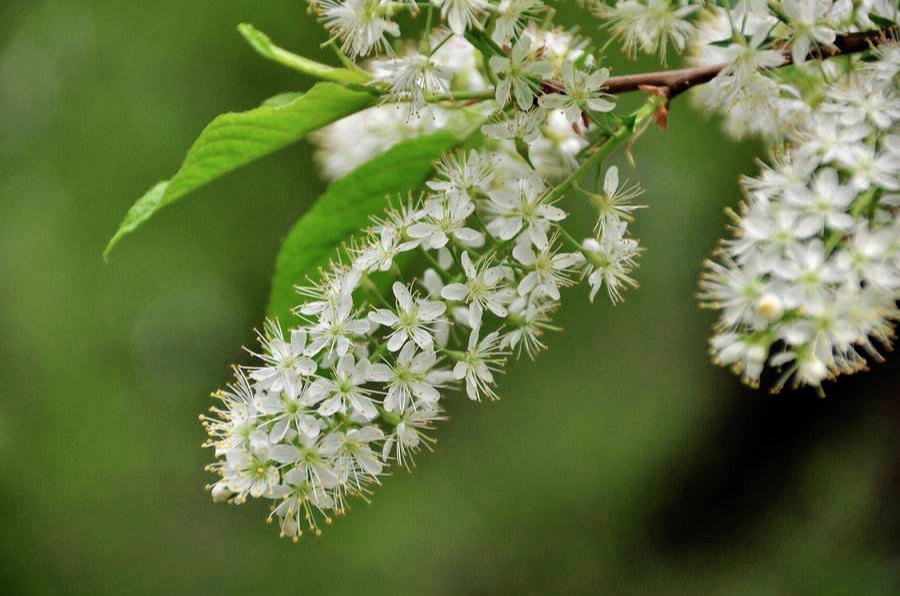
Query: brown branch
677	81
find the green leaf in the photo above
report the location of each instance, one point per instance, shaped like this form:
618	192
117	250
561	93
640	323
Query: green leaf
881	21
235	139
282	99
346	208
260	42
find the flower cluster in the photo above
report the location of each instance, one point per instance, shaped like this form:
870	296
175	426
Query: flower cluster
334	401
364	26
359	383
754	96
551	129
443	288
810	280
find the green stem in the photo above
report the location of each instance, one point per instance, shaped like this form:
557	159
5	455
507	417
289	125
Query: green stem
426	39
440	44
461	95
632	125
573	244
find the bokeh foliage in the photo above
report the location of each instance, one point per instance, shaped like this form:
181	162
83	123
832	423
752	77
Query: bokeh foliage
621	460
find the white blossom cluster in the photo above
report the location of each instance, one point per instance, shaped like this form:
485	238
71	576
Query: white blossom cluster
363	27
352	141
357	386
444	287
753	38
454	66
481	258
810	280
754	97
809	283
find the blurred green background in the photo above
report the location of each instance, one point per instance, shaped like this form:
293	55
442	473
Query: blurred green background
620	461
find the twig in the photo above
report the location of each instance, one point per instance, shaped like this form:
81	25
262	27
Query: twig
679	80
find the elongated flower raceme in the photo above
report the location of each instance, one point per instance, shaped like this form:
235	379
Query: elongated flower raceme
330	404
333	402
443	289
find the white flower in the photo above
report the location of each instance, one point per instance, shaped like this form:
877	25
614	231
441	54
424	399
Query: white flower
650	24
379	253
735	289
311	464
770	231
411	77
409	433
444	218
410	380
811	370
857	103
741	84
361	25
298	499
868	257
806	19
511	18
748	55
755	105
559	43
519	74
886	68
255	472
478	363
826	203
413	320
461	14
336	328
610	259
827	140
345	391
581	92
289	409
807	366
549	269
743	354
467	175
614	203
284	361
870	167
220	492
808	273
522	206
521	125
485	287
528	320
352	141
338	286
401	218
354	458
235	426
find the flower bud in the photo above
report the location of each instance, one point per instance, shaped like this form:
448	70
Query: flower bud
769	306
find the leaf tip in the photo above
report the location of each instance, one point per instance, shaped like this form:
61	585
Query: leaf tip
258	40
109	246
